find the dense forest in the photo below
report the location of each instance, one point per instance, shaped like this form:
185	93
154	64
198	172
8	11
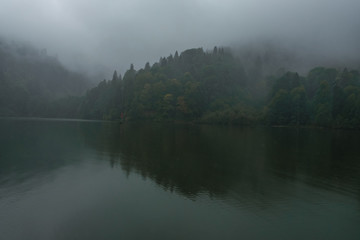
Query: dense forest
214	87
32	82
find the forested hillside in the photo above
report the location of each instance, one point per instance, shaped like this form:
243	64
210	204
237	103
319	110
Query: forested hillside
214	87
30	80
325	97
199	86
184	86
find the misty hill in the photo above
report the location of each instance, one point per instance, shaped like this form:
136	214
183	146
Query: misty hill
221	86
181	86
30	80
276	56
215	87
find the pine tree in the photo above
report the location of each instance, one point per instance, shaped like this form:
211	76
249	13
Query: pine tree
115	77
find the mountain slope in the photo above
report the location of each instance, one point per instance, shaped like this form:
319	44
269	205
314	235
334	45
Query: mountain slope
215	87
30	79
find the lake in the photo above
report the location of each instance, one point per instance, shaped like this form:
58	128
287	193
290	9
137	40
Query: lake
101	180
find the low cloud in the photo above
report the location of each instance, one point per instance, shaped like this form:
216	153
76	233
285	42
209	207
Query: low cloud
85	33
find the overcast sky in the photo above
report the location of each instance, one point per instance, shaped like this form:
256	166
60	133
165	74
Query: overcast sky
115	33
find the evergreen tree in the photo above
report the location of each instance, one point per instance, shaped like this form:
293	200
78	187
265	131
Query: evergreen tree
147	66
115	77
176	56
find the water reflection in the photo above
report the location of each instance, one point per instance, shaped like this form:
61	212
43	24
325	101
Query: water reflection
223	162
101	180
31	149
241	163
319	157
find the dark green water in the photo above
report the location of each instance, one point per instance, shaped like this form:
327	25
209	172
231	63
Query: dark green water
97	180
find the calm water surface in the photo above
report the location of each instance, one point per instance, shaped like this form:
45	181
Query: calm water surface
98	180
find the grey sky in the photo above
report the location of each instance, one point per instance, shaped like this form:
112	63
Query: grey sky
116	33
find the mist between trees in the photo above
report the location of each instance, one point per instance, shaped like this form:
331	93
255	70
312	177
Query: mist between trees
200	86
